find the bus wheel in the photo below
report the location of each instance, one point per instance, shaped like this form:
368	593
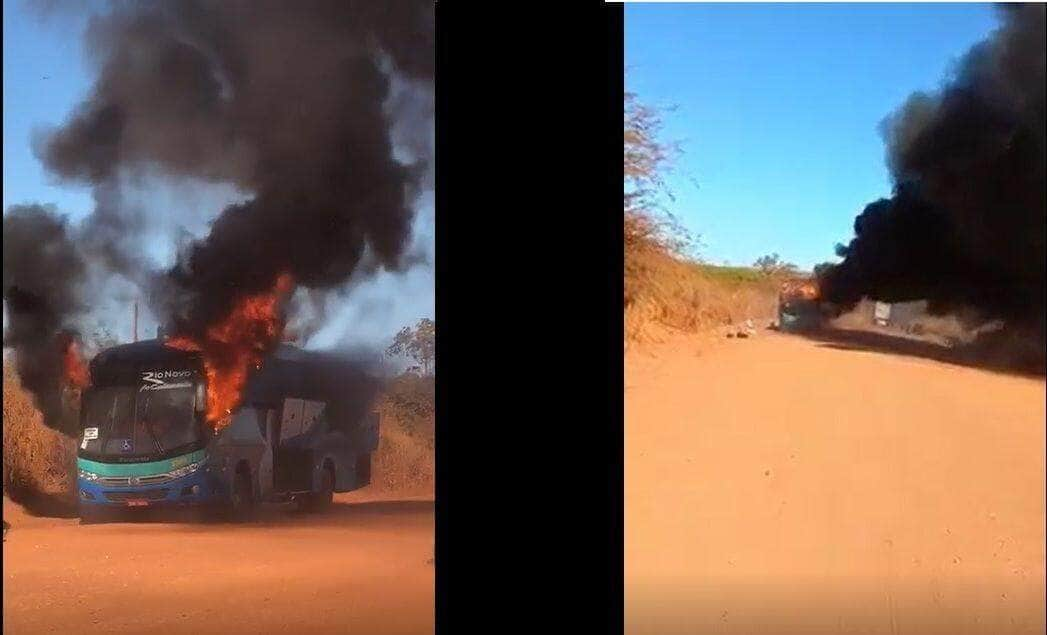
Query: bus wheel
321	500
241	497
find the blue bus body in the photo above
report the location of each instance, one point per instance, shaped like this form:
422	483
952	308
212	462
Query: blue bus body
144	442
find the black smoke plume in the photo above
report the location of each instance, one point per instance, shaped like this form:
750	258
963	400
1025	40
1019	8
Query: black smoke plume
285	100
43	277
965	226
290	102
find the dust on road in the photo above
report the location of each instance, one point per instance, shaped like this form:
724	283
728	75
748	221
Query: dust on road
780	484
363	567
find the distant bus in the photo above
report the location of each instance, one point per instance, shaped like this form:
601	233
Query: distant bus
798	305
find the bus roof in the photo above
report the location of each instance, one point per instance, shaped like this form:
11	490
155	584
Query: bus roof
139	352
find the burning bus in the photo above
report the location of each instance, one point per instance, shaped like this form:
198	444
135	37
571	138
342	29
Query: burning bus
145	438
799	307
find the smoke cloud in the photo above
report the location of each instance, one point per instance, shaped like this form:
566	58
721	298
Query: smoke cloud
43	277
301	106
965	226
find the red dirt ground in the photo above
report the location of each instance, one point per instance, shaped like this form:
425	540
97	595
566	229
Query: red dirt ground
786	485
363	567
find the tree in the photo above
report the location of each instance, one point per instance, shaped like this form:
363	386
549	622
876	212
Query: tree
647	161
774	265
418	343
646	156
767	264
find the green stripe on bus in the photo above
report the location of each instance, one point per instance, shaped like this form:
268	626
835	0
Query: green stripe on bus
140	469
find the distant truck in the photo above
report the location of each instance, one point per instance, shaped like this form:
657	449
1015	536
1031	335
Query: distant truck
882	313
144	441
799	308
904	316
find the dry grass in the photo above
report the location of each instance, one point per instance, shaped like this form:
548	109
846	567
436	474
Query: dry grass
403	464
663	291
39	467
405	460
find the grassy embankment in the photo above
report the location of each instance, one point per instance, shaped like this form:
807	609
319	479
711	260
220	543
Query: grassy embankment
666	292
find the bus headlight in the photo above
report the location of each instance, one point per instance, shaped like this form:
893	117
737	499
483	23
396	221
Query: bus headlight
87	476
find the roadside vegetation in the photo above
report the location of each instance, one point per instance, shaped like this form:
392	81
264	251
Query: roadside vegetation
667	286
39	465
405	461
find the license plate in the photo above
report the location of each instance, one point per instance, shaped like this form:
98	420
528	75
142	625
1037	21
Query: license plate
137	503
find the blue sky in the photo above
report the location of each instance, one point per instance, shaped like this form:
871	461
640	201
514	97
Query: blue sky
778	106
38	47
35	49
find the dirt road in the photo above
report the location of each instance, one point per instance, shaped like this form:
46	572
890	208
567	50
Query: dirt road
783	485
363	567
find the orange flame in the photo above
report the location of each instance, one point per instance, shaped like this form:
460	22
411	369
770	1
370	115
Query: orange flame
74	366
235	345
800	289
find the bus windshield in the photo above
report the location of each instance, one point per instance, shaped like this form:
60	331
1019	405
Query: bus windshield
122	421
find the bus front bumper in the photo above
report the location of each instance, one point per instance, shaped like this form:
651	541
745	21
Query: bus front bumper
199	488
